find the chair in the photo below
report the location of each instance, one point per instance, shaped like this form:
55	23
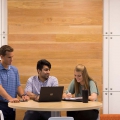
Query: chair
61	118
1	115
109	116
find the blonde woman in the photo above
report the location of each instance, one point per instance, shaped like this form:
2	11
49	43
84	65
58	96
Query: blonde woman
81	82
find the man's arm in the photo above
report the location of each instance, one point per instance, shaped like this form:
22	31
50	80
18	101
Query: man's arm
28	89
21	93
33	96
55	81
5	95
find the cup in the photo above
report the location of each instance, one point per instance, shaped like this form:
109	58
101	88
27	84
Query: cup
85	96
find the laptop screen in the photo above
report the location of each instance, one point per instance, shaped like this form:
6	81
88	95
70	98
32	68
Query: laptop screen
51	94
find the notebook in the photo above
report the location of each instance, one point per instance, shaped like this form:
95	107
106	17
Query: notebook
76	99
51	94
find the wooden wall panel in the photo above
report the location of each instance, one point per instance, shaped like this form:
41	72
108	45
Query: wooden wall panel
65	32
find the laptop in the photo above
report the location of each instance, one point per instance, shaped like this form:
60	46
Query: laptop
51	94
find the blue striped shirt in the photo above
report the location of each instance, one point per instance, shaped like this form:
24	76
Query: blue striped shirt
9	79
34	84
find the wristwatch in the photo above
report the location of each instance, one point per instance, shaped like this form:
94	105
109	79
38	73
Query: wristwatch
23	94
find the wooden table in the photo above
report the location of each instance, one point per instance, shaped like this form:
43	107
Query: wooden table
56	106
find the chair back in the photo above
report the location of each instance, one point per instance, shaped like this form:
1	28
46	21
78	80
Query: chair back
1	115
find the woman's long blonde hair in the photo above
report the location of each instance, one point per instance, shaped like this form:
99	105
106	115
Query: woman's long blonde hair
81	68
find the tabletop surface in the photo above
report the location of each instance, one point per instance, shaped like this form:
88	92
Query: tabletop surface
56	106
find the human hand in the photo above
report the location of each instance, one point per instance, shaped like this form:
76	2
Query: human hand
68	94
14	100
25	97
37	98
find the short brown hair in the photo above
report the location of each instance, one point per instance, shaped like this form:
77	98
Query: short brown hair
4	49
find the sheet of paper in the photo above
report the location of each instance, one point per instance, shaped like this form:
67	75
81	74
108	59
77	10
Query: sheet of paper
75	98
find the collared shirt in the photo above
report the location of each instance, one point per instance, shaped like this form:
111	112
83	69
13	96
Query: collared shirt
9	79
34	84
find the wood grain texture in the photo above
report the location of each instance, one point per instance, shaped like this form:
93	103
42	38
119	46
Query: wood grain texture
65	32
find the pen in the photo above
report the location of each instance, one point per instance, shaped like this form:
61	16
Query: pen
69	95
67	92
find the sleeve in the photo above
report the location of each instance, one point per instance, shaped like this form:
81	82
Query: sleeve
29	85
93	88
55	81
18	79
71	87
